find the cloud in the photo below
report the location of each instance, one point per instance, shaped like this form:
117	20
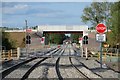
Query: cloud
15	9
29	9
20	6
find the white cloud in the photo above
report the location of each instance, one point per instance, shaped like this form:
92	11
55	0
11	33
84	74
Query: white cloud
19	6
15	8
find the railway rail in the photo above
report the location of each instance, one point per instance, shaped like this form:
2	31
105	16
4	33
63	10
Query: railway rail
32	64
57	67
17	66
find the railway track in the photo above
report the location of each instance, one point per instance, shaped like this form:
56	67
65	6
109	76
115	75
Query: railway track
12	68
24	69
25	76
81	73
88	78
33	62
57	67
59	73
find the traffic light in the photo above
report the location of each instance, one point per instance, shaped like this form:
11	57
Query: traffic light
85	40
28	39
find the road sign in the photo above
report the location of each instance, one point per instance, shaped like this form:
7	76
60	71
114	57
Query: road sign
85	40
80	39
42	39
100	28
28	39
28	30
101	37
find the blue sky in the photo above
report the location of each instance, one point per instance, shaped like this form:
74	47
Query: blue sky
14	14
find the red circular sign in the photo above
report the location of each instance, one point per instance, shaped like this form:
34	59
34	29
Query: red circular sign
80	39
100	28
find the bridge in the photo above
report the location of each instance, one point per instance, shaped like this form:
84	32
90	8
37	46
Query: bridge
63	29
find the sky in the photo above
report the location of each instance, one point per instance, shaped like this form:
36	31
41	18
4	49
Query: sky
14	14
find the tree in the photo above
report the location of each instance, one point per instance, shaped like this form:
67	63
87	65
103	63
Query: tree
54	38
96	13
75	37
114	35
9	44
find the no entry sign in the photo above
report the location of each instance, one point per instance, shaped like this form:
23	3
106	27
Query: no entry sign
80	39
28	30
100	28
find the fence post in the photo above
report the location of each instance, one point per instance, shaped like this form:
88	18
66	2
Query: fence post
3	54
9	54
105	57
18	52
98	55
111	57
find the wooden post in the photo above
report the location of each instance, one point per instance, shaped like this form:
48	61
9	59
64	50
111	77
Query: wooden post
111	57
111	54
98	56
86	53
9	54
3	52
18	52
105	57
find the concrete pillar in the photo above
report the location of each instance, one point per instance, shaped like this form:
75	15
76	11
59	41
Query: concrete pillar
18	52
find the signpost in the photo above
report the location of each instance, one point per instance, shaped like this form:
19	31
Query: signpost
28	30
85	42
80	41
43	40
101	28
101	37
27	38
